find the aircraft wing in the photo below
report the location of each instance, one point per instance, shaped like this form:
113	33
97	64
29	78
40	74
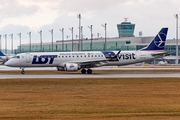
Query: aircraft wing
163	54
93	63
90	63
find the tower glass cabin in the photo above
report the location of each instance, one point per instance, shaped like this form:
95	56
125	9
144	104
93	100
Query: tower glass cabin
126	29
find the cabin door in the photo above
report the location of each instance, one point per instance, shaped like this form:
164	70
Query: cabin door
28	57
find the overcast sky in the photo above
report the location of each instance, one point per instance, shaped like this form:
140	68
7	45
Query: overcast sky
22	16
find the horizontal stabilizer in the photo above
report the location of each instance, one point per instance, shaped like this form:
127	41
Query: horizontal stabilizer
163	54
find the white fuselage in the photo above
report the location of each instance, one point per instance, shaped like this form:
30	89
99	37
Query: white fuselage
59	59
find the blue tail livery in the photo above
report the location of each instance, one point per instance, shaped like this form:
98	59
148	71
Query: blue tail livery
158	43
1	54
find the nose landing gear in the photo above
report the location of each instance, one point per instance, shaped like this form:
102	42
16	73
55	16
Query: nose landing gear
22	72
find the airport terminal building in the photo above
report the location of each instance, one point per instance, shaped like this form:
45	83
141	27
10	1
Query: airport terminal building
125	41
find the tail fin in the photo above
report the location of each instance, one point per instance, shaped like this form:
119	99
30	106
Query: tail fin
158	43
1	54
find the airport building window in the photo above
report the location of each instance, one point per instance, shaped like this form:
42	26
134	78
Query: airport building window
128	42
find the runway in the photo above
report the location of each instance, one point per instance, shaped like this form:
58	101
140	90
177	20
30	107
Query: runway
103	75
119	73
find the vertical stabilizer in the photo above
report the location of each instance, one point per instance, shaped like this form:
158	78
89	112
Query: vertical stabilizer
158	43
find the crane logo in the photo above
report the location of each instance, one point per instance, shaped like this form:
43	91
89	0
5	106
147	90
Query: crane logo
159	41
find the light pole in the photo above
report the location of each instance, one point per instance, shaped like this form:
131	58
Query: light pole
90	27
177	55
105	36
11	35
62	30
40	33
79	17
29	33
81	38
71	29
0	43
19	40
98	35
51	31
5	36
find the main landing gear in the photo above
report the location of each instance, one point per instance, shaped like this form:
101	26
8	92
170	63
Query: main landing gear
89	71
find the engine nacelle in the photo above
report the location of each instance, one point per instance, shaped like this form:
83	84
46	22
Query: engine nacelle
71	67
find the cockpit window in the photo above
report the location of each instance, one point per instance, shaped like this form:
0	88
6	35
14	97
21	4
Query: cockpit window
16	57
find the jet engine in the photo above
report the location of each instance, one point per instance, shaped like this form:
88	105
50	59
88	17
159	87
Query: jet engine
71	67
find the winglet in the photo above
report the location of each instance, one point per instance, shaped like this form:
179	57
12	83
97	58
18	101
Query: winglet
158	43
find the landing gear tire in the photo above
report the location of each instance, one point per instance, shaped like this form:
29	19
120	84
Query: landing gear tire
89	71
83	71
22	72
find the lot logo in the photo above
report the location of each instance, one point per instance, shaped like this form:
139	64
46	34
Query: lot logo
43	59
71	66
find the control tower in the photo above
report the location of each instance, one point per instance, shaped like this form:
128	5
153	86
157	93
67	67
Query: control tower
126	29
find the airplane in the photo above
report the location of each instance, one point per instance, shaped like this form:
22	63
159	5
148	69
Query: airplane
85	60
4	57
